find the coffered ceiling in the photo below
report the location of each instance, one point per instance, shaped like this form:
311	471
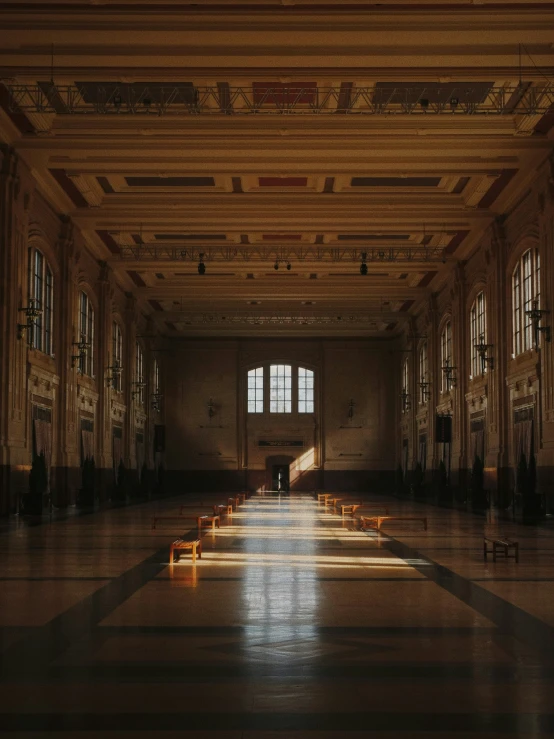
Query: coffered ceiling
307	136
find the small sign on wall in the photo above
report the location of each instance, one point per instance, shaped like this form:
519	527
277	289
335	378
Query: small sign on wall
280	442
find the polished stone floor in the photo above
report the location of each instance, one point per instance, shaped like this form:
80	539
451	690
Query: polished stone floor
293	624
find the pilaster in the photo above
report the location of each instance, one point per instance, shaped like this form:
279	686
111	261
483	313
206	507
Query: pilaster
16	191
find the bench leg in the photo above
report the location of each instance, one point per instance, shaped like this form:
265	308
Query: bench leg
494	551
485	551
199	549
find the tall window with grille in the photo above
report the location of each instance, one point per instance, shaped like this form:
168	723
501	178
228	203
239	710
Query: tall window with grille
478	332
156	378
305	390
423	374
525	291
256	390
140	390
446	357
117	355
86	334
41	291
280	388
405	386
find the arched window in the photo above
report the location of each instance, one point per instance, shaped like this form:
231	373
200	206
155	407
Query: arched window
446	357
139	374
423	374
41	290
280	388
289	386
117	355
478	333
405	395
525	291
256	390
156	398
86	334
156	374
305	390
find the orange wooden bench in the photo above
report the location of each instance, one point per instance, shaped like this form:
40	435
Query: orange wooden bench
225	510
234	502
179	544
356	507
213	520
376	522
332	502
199	520
322	497
504	544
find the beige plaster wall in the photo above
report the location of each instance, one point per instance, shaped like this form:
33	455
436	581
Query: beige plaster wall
344	370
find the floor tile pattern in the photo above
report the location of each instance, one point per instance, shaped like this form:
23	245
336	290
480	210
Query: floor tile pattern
293	624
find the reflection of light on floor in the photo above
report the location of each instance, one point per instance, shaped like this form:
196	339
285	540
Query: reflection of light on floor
261	559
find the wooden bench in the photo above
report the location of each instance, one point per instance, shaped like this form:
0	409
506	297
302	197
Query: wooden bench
234	502
351	508
199	520
241	498
377	521
502	544
332	502
225	510
323	497
213	520
194	544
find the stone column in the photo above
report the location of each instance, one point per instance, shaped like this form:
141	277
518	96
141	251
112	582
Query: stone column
460	339
104	328
433	359
16	192
129	379
67	455
498	416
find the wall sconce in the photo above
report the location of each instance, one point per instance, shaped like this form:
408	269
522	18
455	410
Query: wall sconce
351	410
449	375
535	314
406	401
137	391
115	369
482	350
156	400
82	349
32	312
425	393
211	409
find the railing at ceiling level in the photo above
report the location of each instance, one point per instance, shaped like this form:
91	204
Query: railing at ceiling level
370	320
150	253
155	99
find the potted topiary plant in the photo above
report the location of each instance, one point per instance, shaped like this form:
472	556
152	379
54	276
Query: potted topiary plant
121	487
38	485
88	475
531	502
417	486
443	490
478	495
